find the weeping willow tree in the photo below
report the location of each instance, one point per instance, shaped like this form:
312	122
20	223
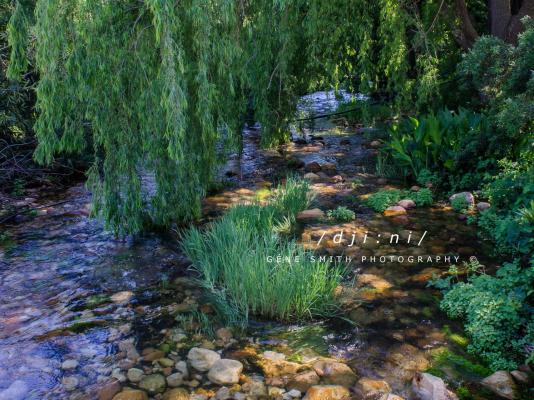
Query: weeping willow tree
150	87
157	88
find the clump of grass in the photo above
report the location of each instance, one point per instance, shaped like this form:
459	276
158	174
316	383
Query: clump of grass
341	214
234	260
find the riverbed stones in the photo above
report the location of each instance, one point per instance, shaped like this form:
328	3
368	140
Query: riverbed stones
327	392
394	211
131	395
368	387
109	390
468	196
303	381
70	383
69	364
312	167
312	177
135	375
501	383
429	387
225	372
16	391
273	356
154	383
335	373
202	359
175	380
407	204
311	215
278	368
122	297
176	394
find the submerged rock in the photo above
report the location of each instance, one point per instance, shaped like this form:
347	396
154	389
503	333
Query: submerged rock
501	383
109	389
312	167
372	387
327	392
131	395
16	391
202	359
225	372
303	381
153	384
176	394
135	374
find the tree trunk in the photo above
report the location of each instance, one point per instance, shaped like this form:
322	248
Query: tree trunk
468	33
515	26
500	14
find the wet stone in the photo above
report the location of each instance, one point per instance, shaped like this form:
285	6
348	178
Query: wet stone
153	384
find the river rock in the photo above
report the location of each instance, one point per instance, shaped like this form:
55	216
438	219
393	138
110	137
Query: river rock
483	206
69	364
176	394
311	215
225	372
312	167
122	297
16	391
131	395
330	166
224	334
468	196
109	389
393	211
153	384
335	373
327	392
202	359
303	381
520	376
70	383
135	375
430	387
278	368
406	204
375	144
312	177
273	356
415	188
368	387
175	380
501	383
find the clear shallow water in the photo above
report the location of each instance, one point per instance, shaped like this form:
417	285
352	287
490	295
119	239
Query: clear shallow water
71	291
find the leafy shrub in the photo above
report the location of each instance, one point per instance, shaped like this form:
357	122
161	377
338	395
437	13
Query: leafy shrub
423	197
497	313
232	259
341	214
459	204
383	199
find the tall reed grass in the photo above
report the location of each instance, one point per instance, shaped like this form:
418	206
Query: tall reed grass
233	258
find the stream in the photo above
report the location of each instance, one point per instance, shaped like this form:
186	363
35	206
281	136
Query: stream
79	306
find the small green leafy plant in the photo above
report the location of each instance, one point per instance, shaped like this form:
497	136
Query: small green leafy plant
459	204
383	199
341	214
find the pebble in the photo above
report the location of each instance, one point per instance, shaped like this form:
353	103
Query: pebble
69	364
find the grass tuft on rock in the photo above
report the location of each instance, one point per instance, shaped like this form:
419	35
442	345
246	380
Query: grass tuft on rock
250	269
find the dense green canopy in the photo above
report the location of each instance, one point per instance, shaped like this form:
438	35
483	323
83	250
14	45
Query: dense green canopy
160	88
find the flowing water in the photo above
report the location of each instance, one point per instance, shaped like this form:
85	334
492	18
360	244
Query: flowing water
76	304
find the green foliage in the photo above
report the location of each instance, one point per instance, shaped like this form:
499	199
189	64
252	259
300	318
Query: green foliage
232	258
443	357
341	214
459	204
383	199
432	142
497	313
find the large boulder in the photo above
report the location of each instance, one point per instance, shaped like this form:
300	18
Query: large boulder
335	373
429	387
202	359
225	372
327	392
502	384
